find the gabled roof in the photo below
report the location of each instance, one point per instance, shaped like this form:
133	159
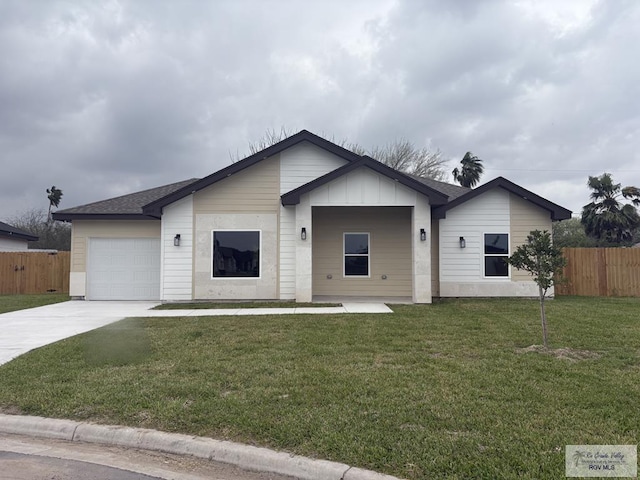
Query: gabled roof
125	207
435	197
557	212
155	208
148	204
7	230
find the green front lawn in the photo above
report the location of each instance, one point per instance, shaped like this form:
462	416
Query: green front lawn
448	390
11	303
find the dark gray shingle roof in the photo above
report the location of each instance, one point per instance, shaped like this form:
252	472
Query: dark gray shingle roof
452	191
7	230
125	205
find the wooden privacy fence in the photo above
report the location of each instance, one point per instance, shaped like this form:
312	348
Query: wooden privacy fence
603	272
34	272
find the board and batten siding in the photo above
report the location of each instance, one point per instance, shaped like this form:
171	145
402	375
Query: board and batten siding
299	165
83	230
177	261
389	231
364	187
525	217
248	200
462	269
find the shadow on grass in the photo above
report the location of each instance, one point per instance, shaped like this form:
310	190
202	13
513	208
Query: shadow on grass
118	344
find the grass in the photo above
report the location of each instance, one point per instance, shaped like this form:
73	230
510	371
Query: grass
441	391
248	304
11	303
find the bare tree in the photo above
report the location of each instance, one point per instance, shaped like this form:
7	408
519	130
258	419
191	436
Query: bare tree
401	154
51	235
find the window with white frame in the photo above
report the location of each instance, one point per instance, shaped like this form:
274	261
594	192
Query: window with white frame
356	254
496	253
236	253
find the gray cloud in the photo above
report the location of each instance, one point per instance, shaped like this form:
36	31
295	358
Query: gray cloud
104	98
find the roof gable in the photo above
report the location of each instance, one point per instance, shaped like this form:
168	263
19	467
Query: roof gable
557	212
435	197
155	208
8	231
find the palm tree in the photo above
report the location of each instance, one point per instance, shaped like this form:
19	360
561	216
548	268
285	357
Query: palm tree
605	218
469	174
55	195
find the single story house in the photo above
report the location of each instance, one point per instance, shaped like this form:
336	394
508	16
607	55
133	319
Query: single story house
301	220
13	239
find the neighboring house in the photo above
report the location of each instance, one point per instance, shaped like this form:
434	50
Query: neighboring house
301	220
13	239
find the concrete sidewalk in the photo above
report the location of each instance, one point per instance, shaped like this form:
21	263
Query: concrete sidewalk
25	330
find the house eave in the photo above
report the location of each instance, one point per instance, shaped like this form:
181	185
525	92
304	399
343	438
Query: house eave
556	211
293	197
19	236
155	208
70	217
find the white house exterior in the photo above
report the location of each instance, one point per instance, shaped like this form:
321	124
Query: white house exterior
13	239
305	219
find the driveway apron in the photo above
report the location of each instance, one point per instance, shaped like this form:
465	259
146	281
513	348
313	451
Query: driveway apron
25	330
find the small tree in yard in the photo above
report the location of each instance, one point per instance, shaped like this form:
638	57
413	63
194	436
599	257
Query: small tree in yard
544	261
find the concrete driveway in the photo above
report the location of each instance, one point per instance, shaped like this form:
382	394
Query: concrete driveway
25	330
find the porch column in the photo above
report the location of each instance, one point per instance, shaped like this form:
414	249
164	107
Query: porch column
421	219
304	260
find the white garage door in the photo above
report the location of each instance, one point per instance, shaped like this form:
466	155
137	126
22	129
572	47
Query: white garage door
123	269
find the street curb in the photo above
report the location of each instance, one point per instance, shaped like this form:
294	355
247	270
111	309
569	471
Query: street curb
244	456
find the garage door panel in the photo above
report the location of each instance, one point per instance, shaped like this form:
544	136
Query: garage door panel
123	269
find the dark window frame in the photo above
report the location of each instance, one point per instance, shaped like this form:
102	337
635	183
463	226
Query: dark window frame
498	254
352	255
222	261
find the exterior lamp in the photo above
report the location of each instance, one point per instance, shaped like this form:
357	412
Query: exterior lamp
303	234
463	243
176	240
423	235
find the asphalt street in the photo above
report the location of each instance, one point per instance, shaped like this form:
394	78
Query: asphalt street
27	458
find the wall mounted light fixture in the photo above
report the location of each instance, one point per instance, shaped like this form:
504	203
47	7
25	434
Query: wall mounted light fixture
176	240
463	242
423	235
303	233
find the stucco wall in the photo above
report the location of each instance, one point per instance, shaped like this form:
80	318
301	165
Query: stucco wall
248	200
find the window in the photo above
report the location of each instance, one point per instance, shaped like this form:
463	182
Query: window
236	253
356	254
496	252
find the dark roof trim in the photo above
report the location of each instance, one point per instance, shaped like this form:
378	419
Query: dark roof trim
155	208
435	197
557	212
7	230
67	217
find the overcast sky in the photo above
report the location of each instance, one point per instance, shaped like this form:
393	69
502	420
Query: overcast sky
103	98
